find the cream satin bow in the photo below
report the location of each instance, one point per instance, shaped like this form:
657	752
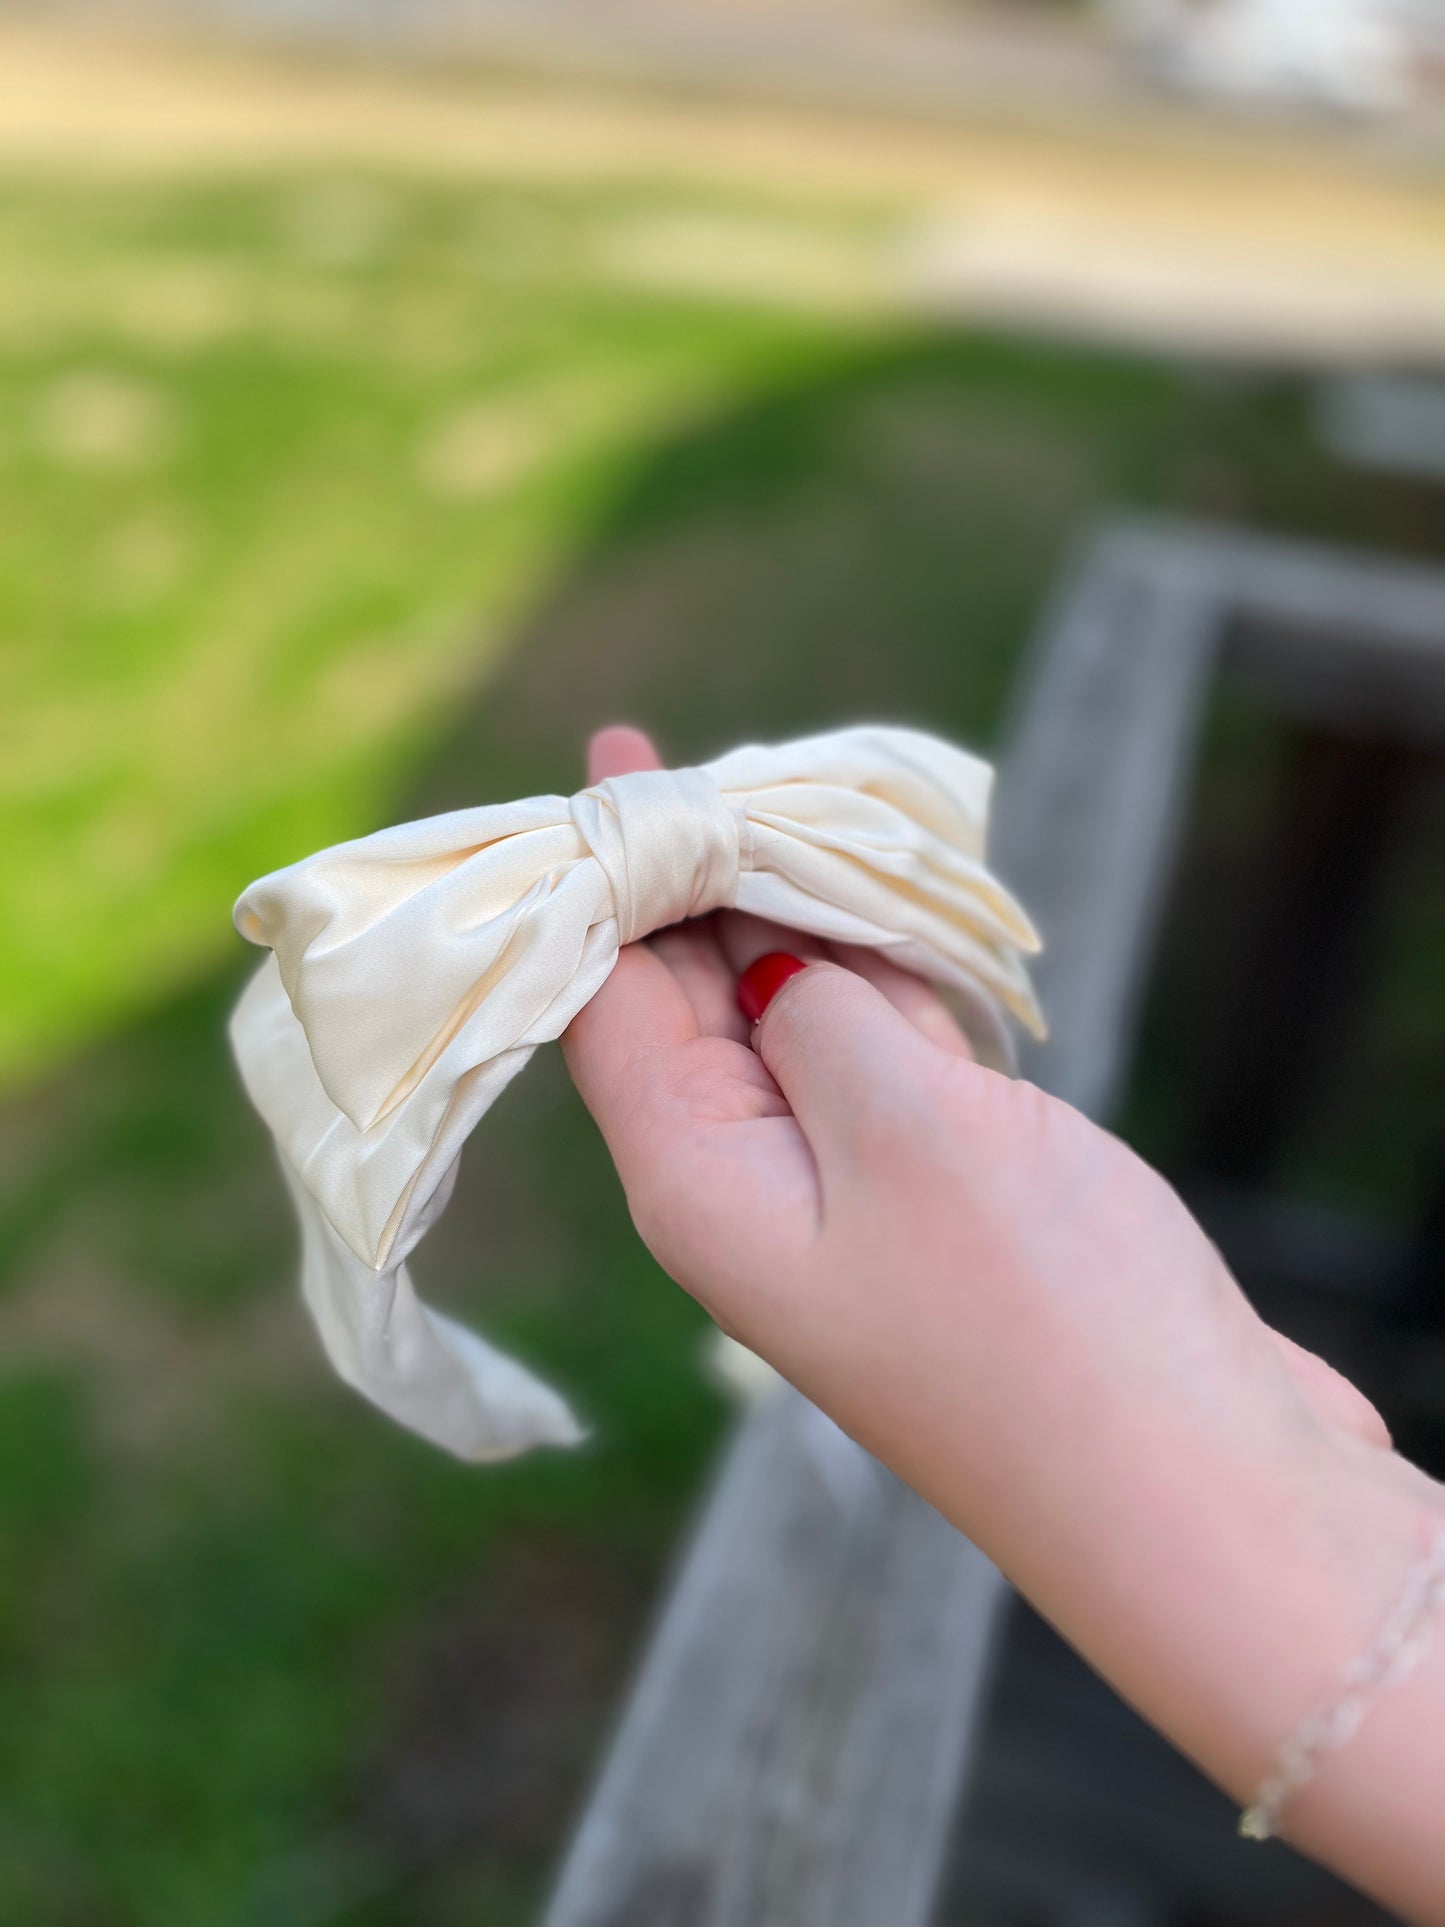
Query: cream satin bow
415	971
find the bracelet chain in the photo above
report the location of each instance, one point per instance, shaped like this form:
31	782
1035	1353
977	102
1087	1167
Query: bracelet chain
1403	1642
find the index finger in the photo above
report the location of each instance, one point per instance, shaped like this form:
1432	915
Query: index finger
618	750
640	1009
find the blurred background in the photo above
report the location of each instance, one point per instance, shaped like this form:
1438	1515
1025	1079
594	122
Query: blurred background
389	395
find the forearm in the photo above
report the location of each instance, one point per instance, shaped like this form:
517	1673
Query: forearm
1220	1568
1228	1616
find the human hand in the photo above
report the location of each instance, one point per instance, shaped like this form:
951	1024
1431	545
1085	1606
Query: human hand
727	1180
1017	1315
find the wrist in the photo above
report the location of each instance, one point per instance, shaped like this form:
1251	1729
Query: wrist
1300	1566
1373	1803
1222	1593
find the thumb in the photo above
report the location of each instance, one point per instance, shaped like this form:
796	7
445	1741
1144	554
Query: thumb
853	1069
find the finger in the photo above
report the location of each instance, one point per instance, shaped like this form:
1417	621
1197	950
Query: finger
745	938
641	1010
722	1200
919	1002
855	1072
618	750
642	1006
693	954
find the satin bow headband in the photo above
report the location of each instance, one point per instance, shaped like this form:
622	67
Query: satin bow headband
414	972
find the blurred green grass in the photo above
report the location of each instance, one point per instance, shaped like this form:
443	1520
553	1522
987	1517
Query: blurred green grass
279	467
324	500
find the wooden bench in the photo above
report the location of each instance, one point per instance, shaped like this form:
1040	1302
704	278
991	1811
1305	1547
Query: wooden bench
795	1742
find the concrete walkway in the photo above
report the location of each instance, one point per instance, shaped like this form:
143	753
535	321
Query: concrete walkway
1181	233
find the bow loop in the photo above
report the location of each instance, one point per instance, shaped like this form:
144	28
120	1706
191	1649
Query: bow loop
668	843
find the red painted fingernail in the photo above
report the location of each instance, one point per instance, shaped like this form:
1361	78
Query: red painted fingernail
762	981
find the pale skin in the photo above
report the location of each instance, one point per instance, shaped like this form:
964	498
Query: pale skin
1021	1319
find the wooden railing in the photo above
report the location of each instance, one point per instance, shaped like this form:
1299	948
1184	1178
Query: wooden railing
806	1711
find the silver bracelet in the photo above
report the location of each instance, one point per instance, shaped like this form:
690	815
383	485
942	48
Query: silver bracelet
1403	1642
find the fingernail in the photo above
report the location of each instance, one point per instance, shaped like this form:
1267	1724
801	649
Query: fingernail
762	981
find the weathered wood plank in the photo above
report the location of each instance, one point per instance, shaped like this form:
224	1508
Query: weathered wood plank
1092	790
794	1744
1326	596
790	1694
1348	642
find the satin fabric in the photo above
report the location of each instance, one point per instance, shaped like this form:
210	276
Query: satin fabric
413	973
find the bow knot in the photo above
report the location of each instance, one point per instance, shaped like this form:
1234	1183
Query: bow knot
668	844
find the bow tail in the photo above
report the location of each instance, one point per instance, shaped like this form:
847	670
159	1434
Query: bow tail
423	1370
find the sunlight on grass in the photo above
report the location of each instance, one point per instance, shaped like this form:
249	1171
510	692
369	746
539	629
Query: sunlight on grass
281	467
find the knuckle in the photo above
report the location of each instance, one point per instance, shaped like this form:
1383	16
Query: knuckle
983	1101
905	1126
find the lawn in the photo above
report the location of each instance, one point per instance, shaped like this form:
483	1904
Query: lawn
324	499
280	469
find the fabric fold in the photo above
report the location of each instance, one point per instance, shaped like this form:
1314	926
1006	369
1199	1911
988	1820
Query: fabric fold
415	971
